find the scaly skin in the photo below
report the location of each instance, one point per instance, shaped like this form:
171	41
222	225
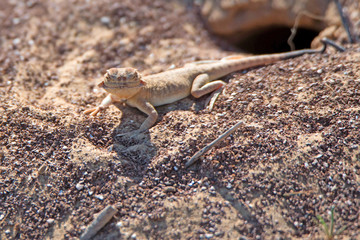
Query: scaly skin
198	79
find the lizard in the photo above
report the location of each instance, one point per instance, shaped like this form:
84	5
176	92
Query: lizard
196	79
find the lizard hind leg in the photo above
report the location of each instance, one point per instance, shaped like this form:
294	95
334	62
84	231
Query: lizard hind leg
202	86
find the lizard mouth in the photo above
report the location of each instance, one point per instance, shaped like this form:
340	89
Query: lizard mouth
101	85
119	85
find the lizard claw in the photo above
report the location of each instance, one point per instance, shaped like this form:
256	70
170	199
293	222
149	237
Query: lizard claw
93	111
130	134
210	101
122	134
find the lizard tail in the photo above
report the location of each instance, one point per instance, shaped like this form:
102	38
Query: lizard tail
293	54
298	53
324	41
234	57
237	63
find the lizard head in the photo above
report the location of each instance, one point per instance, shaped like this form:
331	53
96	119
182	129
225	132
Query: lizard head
123	82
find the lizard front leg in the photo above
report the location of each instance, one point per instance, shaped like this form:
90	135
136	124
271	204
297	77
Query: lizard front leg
148	108
108	100
202	86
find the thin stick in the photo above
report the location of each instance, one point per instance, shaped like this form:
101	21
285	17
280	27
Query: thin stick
4	218
293	30
212	144
99	222
344	21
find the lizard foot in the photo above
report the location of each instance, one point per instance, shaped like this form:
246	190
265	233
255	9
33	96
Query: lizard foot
93	111
210	101
131	134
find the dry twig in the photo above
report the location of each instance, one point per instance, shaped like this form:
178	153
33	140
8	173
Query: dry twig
99	222
344	21
212	144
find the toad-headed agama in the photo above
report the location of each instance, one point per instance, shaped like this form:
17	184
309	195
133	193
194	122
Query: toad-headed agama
198	79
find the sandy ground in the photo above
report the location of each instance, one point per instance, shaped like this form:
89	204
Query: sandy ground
296	156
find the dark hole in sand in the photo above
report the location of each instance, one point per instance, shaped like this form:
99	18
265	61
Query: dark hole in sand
271	40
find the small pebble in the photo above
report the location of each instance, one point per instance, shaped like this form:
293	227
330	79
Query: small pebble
209	235
99	196
50	221
16	21
105	20
212	190
16	41
170	189
79	186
